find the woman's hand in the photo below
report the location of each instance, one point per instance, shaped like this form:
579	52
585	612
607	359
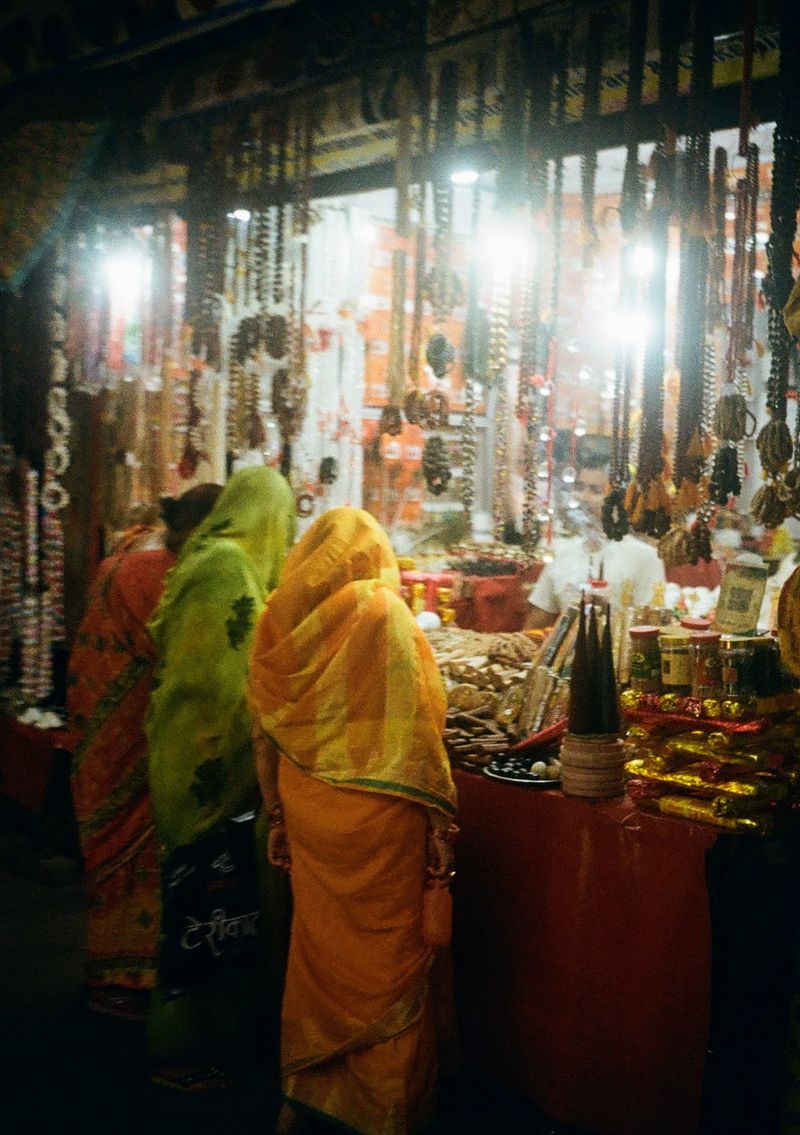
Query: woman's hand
278	847
440	851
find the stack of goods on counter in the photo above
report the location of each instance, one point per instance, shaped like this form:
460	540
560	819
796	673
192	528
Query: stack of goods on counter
547	699
489	559
740	781
485	676
592	754
712	726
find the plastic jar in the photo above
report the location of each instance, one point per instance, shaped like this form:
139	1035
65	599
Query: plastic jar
766	666
676	660
645	659
737	657
706	664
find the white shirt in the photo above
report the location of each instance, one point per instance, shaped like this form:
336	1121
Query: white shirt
622	561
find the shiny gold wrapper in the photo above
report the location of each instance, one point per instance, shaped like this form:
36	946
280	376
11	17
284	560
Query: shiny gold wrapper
712	707
733	710
703	812
762	789
735	806
694	745
718	741
669	703
637	733
629	699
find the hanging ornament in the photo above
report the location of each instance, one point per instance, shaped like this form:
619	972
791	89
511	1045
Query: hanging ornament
437	410
436	465
328	471
11	561
439	354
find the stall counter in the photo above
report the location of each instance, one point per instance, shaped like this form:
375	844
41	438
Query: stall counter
582	954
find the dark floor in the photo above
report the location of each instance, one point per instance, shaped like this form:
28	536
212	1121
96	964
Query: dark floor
67	1070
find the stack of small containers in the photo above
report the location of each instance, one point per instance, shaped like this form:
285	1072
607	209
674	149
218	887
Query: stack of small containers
592	755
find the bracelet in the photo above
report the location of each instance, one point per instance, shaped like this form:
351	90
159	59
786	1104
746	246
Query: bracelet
275	816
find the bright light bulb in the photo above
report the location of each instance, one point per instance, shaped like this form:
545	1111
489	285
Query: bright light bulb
242	215
585	374
761	238
546	434
568	475
464	176
730	215
573	503
628	326
503	248
581	428
643	259
543	471
547	557
125	272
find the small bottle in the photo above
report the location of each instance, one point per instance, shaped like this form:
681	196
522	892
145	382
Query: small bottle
706	664
676	660
645	659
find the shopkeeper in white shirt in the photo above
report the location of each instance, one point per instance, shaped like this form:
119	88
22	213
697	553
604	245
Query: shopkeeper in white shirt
590	555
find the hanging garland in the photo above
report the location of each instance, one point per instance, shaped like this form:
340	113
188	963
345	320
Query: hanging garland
11	561
775	442
733	421
472	328
391	421
614	516
591	112
414	402
289	398
647	501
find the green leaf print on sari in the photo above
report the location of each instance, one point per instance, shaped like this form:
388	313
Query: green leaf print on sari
240	623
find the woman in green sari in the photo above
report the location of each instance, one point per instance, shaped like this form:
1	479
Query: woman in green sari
201	768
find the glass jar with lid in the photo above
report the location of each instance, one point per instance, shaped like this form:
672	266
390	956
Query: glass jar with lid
736	670
645	659
706	664
676	660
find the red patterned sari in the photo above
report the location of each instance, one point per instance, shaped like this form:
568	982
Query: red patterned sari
110	672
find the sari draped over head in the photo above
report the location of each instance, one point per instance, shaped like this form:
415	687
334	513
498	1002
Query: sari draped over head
202	768
342	678
108	688
198	726
345	685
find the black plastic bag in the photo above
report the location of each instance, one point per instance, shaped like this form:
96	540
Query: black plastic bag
210	906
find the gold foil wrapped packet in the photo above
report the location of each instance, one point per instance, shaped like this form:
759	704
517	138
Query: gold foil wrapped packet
703	812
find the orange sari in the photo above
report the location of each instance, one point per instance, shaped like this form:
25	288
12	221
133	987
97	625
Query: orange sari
345	686
110	671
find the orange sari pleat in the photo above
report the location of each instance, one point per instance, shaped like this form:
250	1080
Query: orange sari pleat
110	671
358	1039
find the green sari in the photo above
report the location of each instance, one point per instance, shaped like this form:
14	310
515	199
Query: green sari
201	765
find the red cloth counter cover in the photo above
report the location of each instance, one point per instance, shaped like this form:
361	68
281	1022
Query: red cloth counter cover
26	761
582	955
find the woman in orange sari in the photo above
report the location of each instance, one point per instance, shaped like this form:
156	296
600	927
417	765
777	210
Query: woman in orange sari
110	670
348	710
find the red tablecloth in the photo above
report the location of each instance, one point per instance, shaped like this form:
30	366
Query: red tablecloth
582	956
26	761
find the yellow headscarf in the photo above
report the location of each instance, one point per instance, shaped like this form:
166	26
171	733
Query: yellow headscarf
341	677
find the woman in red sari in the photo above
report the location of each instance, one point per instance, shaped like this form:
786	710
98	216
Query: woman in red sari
108	692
